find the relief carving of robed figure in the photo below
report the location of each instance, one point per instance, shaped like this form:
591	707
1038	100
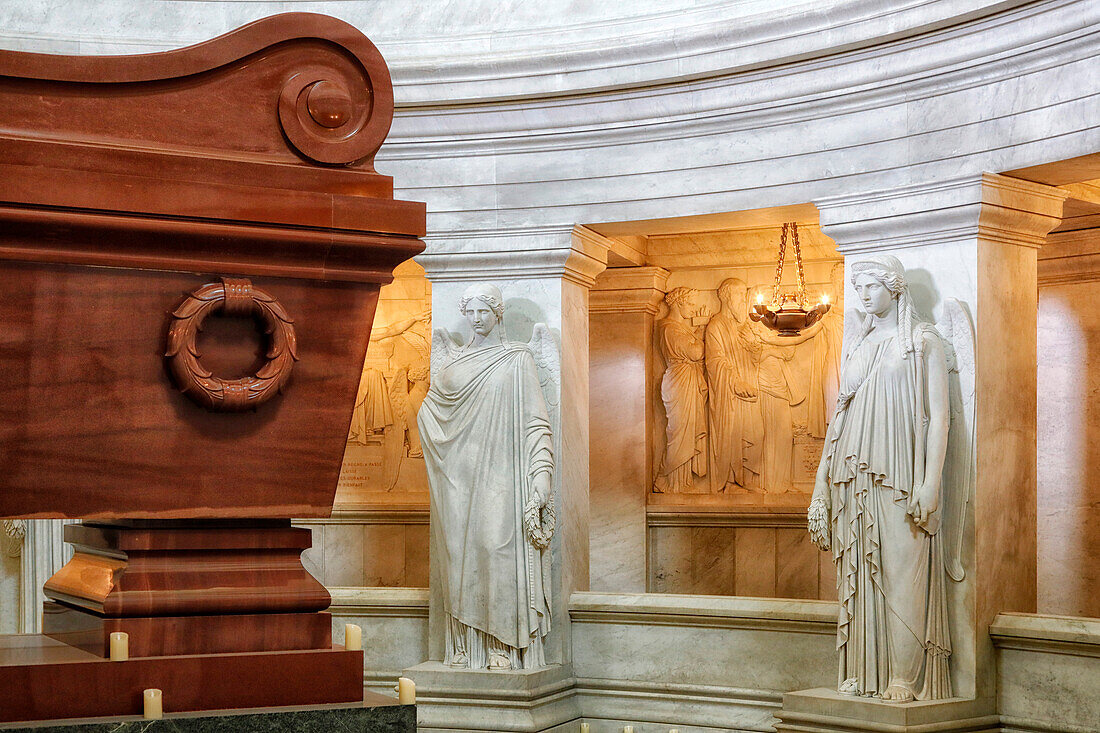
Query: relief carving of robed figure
891	490
488	447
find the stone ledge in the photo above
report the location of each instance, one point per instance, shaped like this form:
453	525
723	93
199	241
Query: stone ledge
1053	634
814	617
822	711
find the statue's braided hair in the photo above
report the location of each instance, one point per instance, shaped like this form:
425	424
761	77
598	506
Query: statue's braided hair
888	270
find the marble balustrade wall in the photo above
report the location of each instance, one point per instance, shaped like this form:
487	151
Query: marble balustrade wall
386	548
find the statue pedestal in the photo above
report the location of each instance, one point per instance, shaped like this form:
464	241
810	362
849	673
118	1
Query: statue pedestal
518	700
827	711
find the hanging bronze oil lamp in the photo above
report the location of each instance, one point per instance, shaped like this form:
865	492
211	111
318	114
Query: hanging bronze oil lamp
787	313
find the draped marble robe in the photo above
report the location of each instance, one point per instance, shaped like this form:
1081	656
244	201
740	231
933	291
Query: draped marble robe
890	573
485	433
684	394
736	427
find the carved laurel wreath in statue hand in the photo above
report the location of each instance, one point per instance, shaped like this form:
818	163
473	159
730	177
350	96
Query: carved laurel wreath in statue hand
233	297
539	521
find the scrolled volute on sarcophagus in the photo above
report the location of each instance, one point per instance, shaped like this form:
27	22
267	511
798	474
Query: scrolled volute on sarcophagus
191	248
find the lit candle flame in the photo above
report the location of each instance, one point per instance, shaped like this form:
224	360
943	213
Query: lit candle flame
824	299
760	299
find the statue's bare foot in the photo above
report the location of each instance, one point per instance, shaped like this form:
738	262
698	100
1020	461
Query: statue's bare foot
897	693
460	661
849	686
499	662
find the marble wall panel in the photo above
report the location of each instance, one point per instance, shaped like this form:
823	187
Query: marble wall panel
619	470
384	555
670	560
711	554
797	565
1069	449
416	555
755	573
712	560
343	555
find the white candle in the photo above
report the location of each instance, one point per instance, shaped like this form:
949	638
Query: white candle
585	728
353	638
628	729
406	691
154	704
120	646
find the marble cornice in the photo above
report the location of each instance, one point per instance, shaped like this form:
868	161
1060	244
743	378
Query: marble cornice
728	102
513	254
1070	257
996	208
682	54
629	290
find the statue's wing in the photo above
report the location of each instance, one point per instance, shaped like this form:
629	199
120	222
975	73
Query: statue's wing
548	362
853	324
442	349
959	469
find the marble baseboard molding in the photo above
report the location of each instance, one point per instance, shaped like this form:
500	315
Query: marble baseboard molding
373	514
685	706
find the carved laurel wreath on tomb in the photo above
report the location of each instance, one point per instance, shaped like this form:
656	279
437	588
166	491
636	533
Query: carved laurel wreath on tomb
233	297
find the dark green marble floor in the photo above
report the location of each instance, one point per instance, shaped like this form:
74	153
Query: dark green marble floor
385	719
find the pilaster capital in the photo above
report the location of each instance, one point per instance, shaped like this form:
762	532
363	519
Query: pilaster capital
567	252
988	206
629	290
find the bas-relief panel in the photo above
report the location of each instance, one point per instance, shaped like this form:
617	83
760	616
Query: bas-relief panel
383	461
741	415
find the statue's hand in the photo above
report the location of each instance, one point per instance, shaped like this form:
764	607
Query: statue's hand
923	502
540	484
743	389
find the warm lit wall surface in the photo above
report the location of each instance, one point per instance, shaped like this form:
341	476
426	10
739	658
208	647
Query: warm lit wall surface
1069	449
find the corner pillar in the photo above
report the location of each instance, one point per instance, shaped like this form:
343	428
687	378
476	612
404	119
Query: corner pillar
622	306
974	239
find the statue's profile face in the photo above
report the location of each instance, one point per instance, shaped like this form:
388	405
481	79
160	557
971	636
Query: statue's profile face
875	297
480	316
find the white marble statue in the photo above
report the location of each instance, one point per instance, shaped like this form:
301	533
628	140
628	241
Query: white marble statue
488	447
684	394
891	490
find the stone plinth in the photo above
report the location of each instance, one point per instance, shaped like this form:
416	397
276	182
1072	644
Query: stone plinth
826	711
480	700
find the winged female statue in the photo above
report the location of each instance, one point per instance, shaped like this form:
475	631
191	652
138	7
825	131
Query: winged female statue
488	446
892	487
